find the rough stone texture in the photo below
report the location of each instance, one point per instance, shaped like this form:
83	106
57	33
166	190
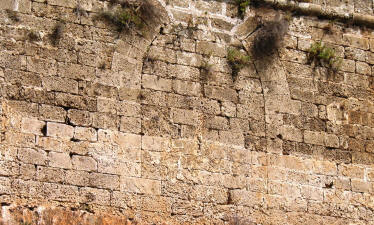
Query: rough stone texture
155	129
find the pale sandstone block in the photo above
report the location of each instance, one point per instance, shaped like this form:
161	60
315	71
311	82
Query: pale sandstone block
32	126
84	163
106	181
59	130
60	160
140	185
85	134
32	156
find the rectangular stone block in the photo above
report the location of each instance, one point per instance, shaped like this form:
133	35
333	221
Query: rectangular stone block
85	134
183	116
32	126
130	125
59	160
107	105
140	185
312	137
247	198
94	196
156	83
59	130
210	48
106	181
46	174
183	72
186	88
60	84
291	133
84	163
78	178
32	156
127	108
351	171
222	94
155	143
52	113
76	102
209	194
79	117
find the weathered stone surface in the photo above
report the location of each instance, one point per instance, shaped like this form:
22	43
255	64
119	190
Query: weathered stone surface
153	125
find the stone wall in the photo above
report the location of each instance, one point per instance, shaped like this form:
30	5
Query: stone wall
106	127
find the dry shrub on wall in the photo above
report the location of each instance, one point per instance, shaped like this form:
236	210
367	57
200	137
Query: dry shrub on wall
269	37
128	15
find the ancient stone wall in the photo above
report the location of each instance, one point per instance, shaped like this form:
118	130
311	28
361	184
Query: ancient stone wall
102	127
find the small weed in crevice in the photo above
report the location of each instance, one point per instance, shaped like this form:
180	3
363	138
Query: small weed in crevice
206	70
13	15
33	36
57	33
321	55
123	19
242	7
131	15
269	37
237	60
102	66
79	11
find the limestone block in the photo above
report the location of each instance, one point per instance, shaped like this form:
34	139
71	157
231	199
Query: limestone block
60	84
77	178
351	171
85	134
59	130
59	160
130	125
182	116
140	185
84	163
79	117
52	113
246	198
186	88
94	196
156	83
107	181
210	48
32	156
183	72
46	174
32	126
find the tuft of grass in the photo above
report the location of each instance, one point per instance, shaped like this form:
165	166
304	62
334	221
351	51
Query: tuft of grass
13	15
57	33
237	61
269	38
319	54
242	7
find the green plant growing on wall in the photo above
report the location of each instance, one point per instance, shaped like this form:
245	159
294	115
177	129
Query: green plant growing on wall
319	54
237	61
242	6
